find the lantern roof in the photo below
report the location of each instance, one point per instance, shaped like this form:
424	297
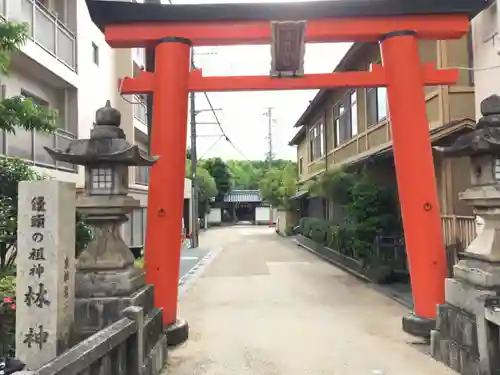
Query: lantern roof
109	12
485	139
107	144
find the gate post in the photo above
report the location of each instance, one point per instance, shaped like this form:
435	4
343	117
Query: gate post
166	186
416	178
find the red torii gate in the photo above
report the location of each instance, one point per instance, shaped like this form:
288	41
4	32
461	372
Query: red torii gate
396	24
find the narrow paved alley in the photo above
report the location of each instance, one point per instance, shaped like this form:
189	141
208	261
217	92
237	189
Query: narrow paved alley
264	306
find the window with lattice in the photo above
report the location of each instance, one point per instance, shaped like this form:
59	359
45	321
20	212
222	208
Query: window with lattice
102	178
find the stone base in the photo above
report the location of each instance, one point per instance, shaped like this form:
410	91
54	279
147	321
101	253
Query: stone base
93	314
455	339
417	326
453	355
454	342
178	333
116	283
481	273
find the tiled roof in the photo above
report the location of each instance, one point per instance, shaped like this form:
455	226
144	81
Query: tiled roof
240	196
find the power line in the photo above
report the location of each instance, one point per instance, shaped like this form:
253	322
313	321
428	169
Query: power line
211	147
222	129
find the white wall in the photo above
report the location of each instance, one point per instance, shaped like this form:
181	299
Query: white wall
214	216
96	83
486	44
262	214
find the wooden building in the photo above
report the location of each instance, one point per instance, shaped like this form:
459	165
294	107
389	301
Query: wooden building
349	127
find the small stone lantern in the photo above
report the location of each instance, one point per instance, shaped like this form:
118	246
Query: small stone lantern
483	148
456	340
105	269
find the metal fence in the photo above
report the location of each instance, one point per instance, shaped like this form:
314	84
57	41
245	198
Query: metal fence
46	29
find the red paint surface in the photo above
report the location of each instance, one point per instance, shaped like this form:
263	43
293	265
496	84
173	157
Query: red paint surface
403	75
415	173
166	185
259	32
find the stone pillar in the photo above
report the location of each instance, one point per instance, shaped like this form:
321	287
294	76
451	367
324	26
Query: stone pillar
477	275
45	270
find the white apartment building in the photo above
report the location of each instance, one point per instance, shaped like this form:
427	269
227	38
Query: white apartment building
67	65
486	46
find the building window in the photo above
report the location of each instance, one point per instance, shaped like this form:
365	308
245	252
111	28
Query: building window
313	133
321	146
301	165
489	24
354	114
342	120
317	141
376	103
34	99
381	104
95	53
135	228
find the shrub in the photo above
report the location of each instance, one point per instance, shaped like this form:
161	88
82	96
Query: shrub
319	231
369	210
7	313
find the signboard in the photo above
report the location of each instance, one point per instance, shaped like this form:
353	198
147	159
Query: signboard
288	48
45	270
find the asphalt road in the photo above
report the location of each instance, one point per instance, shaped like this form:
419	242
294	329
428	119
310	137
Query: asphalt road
189	259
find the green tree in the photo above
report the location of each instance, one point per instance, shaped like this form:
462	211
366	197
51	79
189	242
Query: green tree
220	172
19	112
244	175
247	174
207	187
278	185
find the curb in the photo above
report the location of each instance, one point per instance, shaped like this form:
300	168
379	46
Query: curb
195	272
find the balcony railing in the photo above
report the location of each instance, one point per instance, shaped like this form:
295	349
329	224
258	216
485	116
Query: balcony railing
46	29
142	176
140	110
29	146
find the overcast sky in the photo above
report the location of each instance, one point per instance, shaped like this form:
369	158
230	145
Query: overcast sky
242	112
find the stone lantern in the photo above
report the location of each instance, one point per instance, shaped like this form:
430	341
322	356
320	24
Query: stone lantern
106	280
477	276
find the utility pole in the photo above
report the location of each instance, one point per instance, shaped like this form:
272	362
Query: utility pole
269	115
195	188
194	164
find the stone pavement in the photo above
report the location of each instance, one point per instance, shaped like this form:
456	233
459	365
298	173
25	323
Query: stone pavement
263	306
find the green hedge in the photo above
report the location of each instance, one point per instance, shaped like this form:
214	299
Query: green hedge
354	241
358	242
323	232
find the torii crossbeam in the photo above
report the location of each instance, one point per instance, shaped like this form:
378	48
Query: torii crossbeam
396	24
